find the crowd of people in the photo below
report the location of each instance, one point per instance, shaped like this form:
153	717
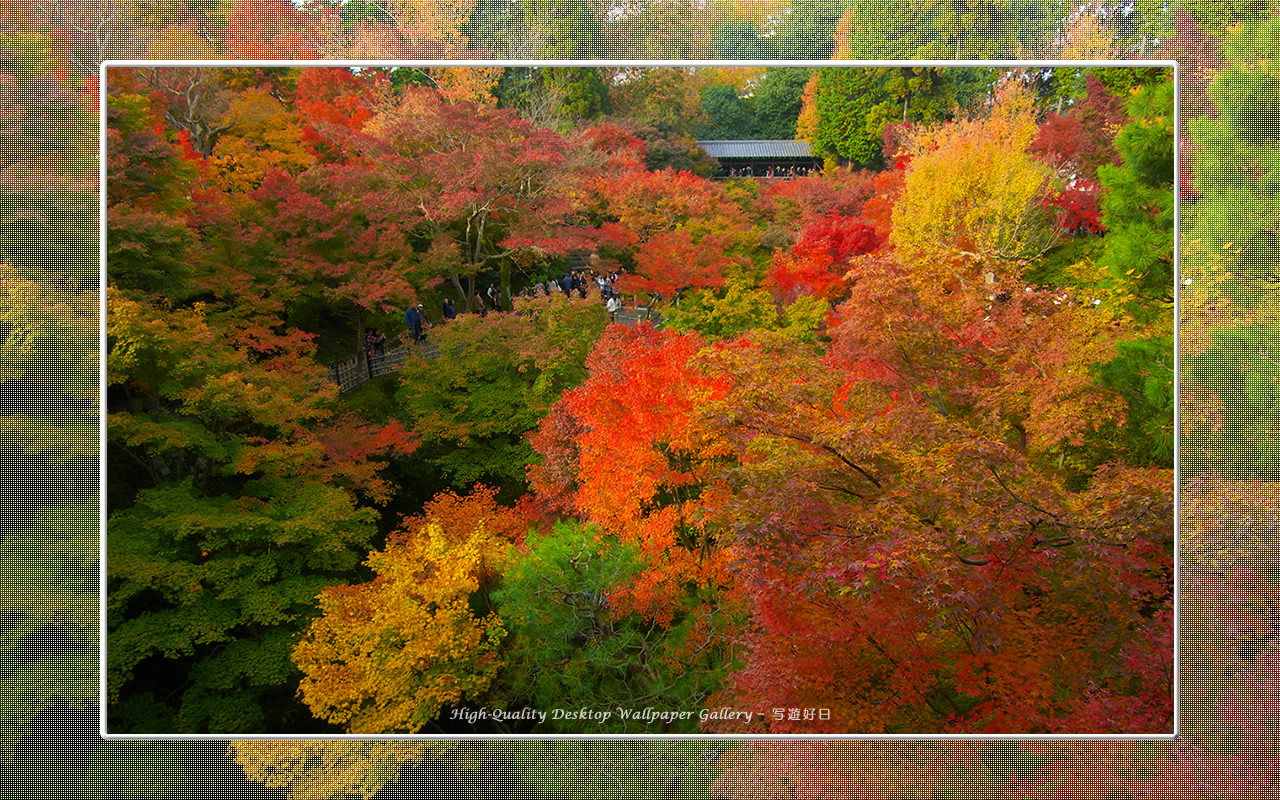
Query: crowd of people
769	172
579	281
417	323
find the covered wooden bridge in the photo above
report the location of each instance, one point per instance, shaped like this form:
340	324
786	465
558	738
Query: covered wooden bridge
761	158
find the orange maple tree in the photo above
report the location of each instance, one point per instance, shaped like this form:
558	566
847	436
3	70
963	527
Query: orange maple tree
626	452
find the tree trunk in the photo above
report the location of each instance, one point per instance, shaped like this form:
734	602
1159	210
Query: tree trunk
457	285
504	284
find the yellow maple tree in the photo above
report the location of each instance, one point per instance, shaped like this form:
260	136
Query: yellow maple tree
973	190
385	656
325	770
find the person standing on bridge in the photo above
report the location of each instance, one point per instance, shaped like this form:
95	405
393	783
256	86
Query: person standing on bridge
413	321
374	349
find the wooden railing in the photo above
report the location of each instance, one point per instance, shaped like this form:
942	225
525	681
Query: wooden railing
356	370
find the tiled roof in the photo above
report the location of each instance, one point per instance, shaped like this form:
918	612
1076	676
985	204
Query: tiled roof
756	148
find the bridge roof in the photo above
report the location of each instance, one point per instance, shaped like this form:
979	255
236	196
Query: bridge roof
756	148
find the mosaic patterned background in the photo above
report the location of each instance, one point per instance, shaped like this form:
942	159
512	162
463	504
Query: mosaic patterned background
1230	745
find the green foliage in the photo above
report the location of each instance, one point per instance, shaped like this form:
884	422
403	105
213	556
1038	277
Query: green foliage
48	619
1230	266
374	400
1237	156
728	115
585	95
568	649
563	29
1129	81
357	12
1239	371
48	208
137	770
805	32
149	252
1218	17
933	29
668	146
1142	373
739	40
1055	268
854	105
569	93
777	101
742	306
844	102
219	585
232	506
1137	200
615	769
495	378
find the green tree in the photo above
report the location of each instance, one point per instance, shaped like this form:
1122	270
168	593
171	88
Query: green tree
940	29
568	648
148	242
727	115
47	146
1220	16
805	30
742	306
854	105
1137	201
740	40
48	367
776	101
494	380
1230	271
235	496
560	95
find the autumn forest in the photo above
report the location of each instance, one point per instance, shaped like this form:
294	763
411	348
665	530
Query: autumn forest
883	448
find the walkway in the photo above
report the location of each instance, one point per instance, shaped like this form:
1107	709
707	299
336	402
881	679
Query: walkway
351	373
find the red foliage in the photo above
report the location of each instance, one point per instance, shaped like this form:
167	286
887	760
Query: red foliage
878	210
816	264
893	143
555	480
334	96
1078	211
1082	139
460	515
631	434
670	263
802	200
623	151
356	451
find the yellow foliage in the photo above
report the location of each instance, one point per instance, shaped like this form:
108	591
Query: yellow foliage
433	21
475	84
972	189
1086	39
325	770
179	42
844	37
807	122
263	137
385	656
